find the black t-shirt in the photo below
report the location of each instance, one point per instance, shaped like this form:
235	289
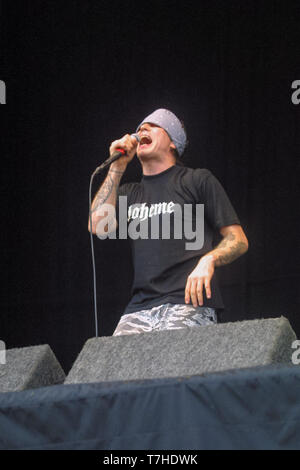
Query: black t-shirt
162	264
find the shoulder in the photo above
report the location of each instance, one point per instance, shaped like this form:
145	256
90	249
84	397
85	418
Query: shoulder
194	174
194	179
128	188
204	179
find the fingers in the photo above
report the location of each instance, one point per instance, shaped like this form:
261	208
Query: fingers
127	143
187	291
194	290
199	290
207	288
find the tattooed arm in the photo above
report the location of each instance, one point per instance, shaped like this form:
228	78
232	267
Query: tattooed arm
107	193
232	246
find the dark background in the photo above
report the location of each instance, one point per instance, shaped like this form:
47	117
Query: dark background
80	74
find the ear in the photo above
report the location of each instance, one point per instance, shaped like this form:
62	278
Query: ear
172	146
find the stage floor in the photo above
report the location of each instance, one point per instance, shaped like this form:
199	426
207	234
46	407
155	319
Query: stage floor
256	408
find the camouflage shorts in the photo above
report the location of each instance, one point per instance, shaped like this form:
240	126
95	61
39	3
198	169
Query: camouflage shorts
165	317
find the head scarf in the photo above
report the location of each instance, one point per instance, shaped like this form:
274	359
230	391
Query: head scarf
171	124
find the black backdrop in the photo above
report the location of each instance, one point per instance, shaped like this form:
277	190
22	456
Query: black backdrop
82	73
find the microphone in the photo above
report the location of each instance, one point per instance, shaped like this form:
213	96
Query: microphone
118	153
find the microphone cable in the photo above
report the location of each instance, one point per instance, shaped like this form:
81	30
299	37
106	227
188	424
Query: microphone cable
105	164
93	255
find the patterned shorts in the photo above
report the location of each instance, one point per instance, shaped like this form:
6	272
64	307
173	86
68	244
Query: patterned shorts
165	317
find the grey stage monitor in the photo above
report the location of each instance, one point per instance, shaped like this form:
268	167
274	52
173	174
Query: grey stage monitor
29	367
184	352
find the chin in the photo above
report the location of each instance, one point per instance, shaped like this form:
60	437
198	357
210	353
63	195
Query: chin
142	156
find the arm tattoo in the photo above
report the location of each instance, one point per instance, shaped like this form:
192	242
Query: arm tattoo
233	253
230	249
116	171
105	191
229	238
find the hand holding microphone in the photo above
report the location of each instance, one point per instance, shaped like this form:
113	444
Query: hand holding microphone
121	152
127	147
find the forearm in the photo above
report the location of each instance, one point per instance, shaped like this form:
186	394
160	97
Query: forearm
107	194
232	246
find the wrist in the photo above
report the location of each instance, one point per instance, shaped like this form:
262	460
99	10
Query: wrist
117	168
210	257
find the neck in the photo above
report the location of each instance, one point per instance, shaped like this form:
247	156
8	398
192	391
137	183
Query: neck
154	166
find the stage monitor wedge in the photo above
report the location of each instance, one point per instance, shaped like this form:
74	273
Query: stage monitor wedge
184	352
30	367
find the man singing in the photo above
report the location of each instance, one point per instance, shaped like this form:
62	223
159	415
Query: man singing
174	287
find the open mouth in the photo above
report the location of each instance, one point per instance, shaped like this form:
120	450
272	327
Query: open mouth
145	140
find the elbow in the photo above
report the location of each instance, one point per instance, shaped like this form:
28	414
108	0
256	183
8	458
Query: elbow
245	243
93	231
103	228
91	223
